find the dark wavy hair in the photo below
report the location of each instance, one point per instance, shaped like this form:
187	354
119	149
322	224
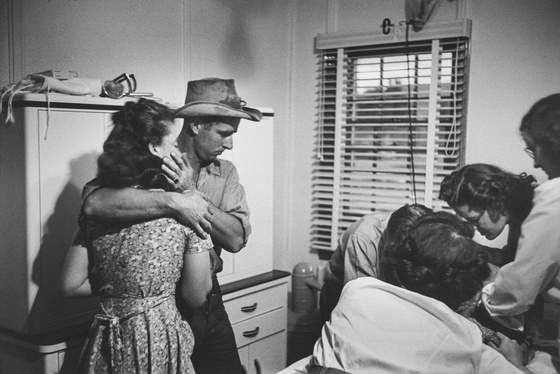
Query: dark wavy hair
542	124
126	159
399	224
439	259
486	186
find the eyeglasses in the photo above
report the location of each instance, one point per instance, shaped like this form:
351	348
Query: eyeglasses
530	152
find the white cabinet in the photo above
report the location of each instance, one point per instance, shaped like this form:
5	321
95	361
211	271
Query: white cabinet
258	314
252	156
46	156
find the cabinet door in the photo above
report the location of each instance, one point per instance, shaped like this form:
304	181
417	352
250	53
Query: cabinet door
252	154
244	357
69	144
268	356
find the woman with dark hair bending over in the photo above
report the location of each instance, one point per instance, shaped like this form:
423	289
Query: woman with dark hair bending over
407	321
490	199
136	266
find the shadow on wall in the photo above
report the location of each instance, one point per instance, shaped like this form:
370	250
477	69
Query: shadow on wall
238	50
70	317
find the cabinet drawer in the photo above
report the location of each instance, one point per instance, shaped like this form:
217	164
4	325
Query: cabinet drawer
260	327
256	303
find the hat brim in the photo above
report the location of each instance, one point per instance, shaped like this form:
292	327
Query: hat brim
210	108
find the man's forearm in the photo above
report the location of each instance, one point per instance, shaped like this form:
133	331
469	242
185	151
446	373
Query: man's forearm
227	231
130	204
127	204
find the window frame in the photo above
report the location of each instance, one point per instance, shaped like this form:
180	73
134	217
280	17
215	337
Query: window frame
329	219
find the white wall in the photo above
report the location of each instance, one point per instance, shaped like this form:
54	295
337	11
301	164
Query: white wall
515	62
268	47
515	59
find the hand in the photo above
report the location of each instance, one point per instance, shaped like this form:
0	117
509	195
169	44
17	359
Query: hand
510	350
468	308
178	172
192	210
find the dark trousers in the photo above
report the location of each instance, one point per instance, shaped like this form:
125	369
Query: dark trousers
215	350
328	299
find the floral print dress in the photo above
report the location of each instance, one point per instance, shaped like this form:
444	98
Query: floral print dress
138	265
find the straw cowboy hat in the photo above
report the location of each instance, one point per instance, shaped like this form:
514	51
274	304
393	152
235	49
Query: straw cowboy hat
215	97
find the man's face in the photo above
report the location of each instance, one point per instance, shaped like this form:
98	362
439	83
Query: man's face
214	137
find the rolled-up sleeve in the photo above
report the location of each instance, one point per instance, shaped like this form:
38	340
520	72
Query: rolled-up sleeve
225	191
234	202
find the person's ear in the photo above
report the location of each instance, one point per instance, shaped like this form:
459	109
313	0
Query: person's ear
195	126
155	150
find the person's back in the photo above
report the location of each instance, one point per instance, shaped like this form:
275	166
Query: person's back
381	328
360	249
356	256
138	259
138	266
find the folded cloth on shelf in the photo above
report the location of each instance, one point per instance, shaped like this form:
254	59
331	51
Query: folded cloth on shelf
37	83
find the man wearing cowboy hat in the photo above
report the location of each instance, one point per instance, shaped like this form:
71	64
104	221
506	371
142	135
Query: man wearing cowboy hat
211	201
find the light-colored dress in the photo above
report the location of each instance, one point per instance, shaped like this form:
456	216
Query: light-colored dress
138	265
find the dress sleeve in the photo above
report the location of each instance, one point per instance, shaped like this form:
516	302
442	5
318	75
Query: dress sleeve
90	187
79	238
194	244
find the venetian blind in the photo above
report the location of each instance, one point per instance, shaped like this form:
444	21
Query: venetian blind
391	126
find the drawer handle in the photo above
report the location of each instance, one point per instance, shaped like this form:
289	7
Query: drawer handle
252	333
250	308
258	366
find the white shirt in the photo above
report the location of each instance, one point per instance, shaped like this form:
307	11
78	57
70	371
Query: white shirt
536	268
379	328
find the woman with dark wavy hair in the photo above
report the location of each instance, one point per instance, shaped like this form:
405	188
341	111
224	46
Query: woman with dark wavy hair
137	266
490	199
407	322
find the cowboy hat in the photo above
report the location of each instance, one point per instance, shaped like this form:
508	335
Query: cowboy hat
215	97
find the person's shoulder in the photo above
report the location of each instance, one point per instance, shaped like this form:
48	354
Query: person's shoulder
548	192
549	185
223	167
376	217
365	282
371	224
